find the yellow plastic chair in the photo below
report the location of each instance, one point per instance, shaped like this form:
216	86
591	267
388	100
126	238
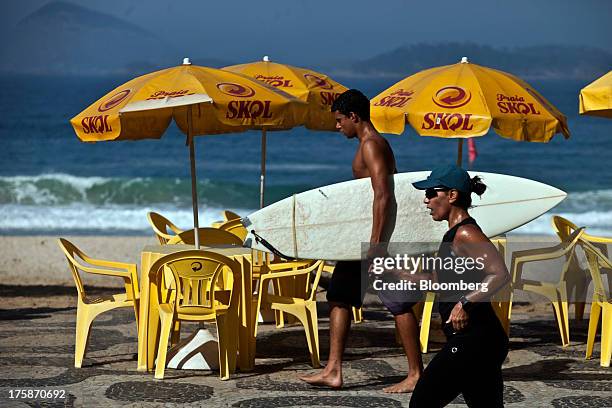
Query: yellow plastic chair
192	294
259	263
235	227
357	314
302	303
88	307
601	305
576	279
423	311
161	225
229	215
555	292
208	236
501	300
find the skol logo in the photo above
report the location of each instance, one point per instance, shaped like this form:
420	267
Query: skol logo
196	266
114	100
96	124
248	110
451	97
515	104
447	121
276	81
328	98
317	81
232	89
396	99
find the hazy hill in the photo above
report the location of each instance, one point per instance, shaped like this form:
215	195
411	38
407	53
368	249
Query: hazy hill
553	61
64	38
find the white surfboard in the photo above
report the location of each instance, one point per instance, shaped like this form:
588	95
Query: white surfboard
332	222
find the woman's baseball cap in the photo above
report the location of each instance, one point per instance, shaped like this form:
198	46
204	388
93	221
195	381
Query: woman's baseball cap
448	176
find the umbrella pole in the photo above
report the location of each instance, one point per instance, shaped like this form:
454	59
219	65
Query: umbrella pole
262	178
459	152
194	188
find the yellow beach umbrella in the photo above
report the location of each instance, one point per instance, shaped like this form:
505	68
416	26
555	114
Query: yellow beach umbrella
464	100
200	100
314	88
596	98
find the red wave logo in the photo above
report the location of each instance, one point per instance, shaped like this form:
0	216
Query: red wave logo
114	100
318	81
451	97
232	89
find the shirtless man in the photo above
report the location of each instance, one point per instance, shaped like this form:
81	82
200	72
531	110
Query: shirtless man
374	158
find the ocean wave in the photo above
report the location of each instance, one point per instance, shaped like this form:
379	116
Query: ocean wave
64	189
86	218
586	201
59	201
89	218
596	223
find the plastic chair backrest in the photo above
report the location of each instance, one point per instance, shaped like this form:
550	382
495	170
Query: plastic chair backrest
72	252
97	266
160	225
563	227
598	262
208	236
229	215
315	283
235	227
194	275
500	243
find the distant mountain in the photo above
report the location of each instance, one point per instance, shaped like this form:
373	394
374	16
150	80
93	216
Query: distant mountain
64	38
537	62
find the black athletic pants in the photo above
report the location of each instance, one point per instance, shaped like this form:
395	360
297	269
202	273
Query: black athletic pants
469	364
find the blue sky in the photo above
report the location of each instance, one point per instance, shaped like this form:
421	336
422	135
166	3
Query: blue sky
333	31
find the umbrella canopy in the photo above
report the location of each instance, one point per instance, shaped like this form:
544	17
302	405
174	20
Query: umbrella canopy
465	100
224	102
314	88
201	101
596	98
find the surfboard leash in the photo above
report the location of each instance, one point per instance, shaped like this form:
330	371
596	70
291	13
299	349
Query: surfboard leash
271	247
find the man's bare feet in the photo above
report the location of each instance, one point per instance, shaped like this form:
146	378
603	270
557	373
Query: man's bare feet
407	385
325	378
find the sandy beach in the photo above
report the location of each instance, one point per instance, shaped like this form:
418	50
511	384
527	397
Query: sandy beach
38	260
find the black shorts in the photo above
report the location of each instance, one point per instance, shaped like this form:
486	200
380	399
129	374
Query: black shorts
349	283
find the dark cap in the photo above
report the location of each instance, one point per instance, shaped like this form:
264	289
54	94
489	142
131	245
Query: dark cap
448	176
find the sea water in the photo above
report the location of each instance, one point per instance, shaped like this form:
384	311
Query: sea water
50	182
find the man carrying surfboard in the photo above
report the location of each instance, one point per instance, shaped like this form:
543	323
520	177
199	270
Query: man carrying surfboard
373	158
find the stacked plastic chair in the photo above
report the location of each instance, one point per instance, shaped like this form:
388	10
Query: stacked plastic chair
555	292
576	279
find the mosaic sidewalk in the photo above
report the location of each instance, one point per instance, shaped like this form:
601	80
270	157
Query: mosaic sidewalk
37	344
